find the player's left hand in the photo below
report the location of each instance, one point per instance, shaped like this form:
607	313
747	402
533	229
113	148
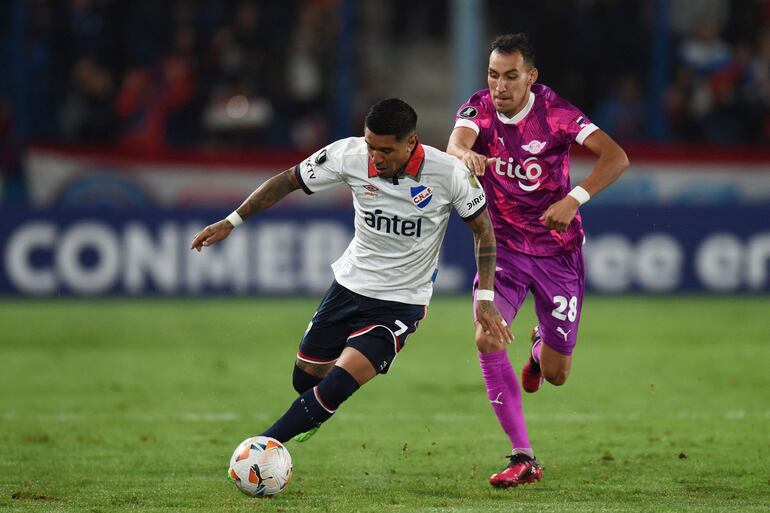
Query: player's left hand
492	322
560	214
211	234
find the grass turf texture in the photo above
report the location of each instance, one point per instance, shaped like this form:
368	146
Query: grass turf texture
113	406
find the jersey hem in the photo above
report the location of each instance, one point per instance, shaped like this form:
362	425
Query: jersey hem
467	124
302	184
475	214
384	296
537	255
585	132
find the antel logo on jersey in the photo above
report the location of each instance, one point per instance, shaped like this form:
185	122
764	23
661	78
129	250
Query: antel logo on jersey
394	224
534	147
421	195
531	171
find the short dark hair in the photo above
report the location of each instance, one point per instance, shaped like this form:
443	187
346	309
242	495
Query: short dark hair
392	117
511	43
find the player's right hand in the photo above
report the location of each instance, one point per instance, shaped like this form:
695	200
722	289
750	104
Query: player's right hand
477	163
492	322
211	234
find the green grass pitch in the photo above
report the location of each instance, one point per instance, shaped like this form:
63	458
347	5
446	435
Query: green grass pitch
125	406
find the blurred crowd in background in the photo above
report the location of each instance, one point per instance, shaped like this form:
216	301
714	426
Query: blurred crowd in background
717	60
147	74
163	113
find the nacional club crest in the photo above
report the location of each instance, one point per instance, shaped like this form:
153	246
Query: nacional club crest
421	196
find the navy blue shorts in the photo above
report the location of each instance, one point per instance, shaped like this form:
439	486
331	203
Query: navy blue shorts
376	328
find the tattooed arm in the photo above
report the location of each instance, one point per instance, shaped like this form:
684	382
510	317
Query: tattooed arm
267	195
486	311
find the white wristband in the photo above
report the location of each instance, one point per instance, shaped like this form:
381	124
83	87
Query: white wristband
580	194
235	219
485	295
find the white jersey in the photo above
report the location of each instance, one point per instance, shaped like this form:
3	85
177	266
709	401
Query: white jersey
399	223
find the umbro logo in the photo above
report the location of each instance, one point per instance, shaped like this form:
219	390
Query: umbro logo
371	191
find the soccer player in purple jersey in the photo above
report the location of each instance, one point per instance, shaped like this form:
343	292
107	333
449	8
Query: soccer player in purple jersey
517	135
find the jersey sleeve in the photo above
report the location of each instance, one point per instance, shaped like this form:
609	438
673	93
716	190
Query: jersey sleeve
576	125
467	116
474	114
467	195
322	169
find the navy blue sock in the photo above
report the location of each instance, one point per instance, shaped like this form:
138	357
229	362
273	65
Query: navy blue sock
314	406
303	381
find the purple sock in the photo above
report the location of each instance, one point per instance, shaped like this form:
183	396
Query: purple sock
536	351
505	396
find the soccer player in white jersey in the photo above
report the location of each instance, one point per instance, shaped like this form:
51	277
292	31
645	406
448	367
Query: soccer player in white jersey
516	135
403	194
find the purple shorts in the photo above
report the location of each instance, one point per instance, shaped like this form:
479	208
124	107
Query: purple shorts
557	283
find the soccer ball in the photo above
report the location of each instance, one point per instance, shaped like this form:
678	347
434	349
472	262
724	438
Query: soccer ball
260	466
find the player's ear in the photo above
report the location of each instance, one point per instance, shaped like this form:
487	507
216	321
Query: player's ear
532	76
411	142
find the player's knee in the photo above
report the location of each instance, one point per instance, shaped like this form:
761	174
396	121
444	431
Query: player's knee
374	353
303	380
557	377
314	369
488	344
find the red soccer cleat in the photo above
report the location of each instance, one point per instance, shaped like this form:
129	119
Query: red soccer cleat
521	470
531	375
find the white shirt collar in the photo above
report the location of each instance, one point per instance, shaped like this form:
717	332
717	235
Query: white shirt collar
521	115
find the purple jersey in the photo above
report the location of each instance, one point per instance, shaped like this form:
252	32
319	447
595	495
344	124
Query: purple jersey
532	168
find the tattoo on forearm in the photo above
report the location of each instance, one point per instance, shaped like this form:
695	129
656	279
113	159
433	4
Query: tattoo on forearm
268	194
486	256
486	249
485	259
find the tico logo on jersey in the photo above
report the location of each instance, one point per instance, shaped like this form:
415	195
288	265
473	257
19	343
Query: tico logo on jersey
421	196
531	171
